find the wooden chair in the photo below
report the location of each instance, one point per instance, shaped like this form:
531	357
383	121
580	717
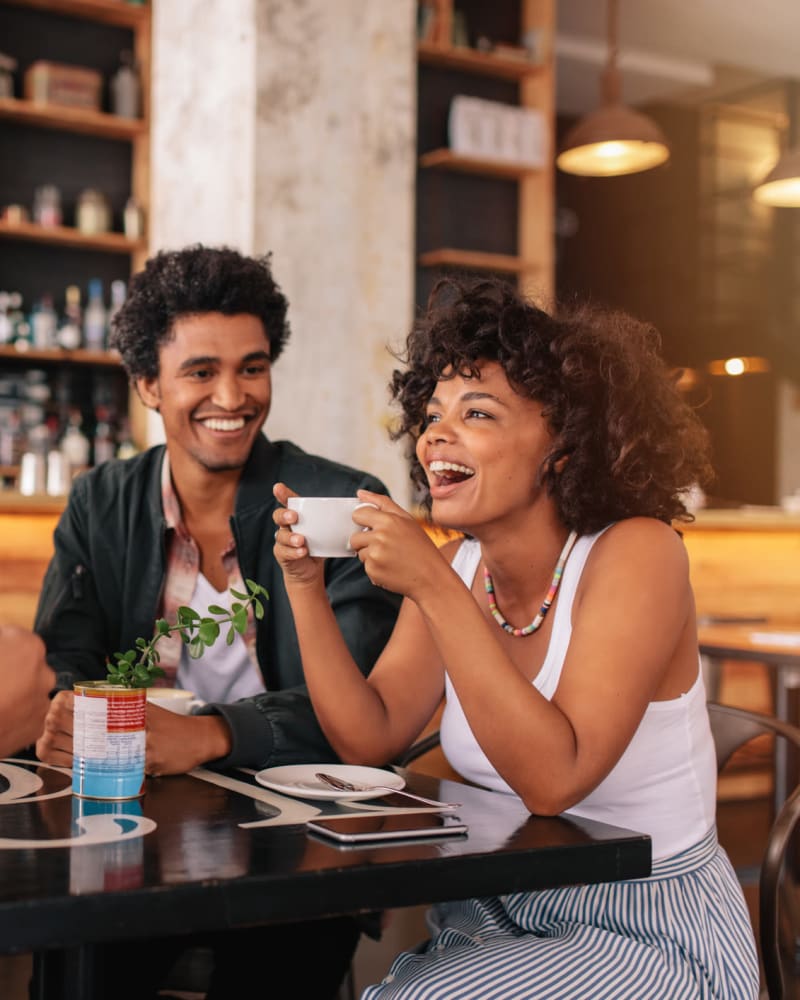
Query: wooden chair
731	729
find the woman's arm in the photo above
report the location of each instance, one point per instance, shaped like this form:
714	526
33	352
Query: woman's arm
366	720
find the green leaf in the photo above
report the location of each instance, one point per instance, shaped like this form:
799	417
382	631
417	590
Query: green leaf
215	609
240	621
239	594
258	610
196	648
162	626
231	636
208	631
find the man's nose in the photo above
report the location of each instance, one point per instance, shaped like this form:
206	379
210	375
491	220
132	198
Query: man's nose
228	393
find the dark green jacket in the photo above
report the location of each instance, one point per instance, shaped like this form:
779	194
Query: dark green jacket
103	587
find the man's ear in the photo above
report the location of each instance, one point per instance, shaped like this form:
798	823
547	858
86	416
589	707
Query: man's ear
149	392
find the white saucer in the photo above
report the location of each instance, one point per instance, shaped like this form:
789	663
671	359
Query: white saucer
301	780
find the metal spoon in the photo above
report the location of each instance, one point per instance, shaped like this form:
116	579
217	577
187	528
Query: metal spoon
346	786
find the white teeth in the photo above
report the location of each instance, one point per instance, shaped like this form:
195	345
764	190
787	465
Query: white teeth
450	467
219	424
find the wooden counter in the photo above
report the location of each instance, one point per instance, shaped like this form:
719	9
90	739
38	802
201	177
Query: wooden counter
745	563
26	545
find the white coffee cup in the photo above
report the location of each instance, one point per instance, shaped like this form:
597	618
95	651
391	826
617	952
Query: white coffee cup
177	700
327	523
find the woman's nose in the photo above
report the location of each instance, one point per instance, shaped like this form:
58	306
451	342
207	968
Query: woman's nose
439	430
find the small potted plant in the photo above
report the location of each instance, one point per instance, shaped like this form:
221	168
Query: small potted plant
109	718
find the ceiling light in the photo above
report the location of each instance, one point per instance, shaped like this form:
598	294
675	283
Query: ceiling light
738	366
614	139
781	186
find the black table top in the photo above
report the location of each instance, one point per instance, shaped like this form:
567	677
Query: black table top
198	868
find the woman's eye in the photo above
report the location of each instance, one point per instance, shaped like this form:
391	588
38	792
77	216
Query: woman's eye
430	418
479	414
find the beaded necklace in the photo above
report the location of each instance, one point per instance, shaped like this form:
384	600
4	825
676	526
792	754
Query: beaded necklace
551	593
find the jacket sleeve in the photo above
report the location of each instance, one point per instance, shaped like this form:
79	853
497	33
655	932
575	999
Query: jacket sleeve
279	727
68	617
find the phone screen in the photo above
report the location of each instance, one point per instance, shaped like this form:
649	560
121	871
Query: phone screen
378	827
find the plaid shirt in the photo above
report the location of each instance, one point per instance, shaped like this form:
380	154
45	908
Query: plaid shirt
183	567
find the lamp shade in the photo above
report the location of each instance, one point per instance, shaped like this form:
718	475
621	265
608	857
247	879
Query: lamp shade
611	141
781	186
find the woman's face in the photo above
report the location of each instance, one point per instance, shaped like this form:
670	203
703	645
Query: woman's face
482	449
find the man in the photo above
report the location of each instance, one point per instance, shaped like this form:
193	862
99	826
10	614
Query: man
182	523
25	683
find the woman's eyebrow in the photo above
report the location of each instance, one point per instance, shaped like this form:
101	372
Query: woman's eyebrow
469	397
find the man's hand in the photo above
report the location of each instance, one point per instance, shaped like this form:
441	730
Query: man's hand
54	746
178	743
25	684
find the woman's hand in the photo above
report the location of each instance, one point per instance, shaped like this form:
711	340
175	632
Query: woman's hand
290	548
395	550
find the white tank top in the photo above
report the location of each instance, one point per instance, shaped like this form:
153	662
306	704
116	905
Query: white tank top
664	784
223	673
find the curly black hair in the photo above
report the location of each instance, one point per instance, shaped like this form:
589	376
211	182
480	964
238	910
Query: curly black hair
632	444
195	279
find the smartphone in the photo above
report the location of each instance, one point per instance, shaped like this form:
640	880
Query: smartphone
380	827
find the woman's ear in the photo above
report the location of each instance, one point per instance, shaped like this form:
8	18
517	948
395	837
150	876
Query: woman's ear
148	391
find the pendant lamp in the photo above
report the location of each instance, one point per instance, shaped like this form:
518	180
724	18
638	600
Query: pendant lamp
614	139
781	186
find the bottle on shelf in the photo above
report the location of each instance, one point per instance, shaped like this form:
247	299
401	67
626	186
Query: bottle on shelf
69	334
94	318
125	87
6	330
104	445
44	323
75	446
118	292
126	447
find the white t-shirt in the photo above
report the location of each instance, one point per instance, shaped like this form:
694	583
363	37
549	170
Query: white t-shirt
223	673
665	783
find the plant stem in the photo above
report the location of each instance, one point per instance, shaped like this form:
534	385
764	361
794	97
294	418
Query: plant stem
139	667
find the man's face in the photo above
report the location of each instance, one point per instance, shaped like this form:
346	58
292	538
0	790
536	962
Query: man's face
213	389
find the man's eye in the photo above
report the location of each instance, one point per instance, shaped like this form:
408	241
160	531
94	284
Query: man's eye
255	369
200	373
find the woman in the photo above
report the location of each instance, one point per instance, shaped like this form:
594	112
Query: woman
561	631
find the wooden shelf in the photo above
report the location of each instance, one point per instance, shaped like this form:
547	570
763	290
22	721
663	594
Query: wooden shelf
115	12
472	61
69	237
13	502
67	119
473	260
447	159
78	357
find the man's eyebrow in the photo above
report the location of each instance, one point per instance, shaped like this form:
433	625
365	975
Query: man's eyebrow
211	359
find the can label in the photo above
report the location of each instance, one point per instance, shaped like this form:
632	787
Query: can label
108	741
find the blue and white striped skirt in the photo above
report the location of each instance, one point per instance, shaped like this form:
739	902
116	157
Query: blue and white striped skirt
684	932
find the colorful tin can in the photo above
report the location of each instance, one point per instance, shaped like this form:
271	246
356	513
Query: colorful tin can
108	740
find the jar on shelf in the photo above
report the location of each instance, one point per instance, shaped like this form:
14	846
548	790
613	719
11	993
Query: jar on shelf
47	205
93	213
133	219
